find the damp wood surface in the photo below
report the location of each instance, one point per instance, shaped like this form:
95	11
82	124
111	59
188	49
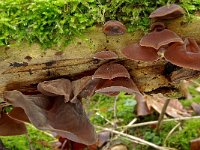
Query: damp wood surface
23	66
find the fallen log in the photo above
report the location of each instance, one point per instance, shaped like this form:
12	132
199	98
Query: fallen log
23	66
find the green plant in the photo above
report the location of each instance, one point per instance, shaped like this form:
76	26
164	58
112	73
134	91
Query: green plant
102	108
39	140
56	22
181	139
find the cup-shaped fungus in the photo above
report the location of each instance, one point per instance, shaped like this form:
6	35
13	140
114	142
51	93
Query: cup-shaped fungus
18	113
9	126
167	12
57	87
157	26
185	55
52	113
105	55
114	27
111	71
84	87
114	86
156	39
137	52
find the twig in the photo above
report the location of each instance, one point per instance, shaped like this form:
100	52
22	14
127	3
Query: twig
135	139
63	145
29	141
155	122
130	123
168	135
105	118
115	111
162	115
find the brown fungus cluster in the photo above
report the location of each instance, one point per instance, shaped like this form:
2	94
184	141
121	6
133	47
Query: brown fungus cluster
183	53
58	107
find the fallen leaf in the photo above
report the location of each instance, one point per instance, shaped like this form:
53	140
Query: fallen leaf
174	108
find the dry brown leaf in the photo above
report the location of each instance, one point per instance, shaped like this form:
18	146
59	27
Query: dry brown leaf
195	144
174	109
196	108
52	113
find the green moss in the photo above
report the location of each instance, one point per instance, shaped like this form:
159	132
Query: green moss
181	139
39	140
56	22
102	108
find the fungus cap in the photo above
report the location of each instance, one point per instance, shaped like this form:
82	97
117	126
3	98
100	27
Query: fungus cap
114	27
58	87
116	85
137	52
105	55
156	39
18	113
184	55
10	127
167	12
52	113
157	26
111	71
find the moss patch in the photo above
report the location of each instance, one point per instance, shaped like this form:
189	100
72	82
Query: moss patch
56	22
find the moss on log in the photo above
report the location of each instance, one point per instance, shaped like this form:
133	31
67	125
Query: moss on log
23	66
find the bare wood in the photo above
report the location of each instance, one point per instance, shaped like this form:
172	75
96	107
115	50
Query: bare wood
23	66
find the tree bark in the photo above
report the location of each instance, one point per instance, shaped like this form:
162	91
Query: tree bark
24	65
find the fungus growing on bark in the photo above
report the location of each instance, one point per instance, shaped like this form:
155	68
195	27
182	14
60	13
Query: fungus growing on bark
10	127
167	12
156	39
84	87
111	71
56	87
185	55
157	26
114	86
18	113
114	27
137	52
51	113
105	55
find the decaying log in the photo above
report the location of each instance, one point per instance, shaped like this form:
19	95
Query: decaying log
24	66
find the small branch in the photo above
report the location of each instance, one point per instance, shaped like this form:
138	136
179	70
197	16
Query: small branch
162	115
155	122
105	119
115	111
29	141
170	133
130	123
134	139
